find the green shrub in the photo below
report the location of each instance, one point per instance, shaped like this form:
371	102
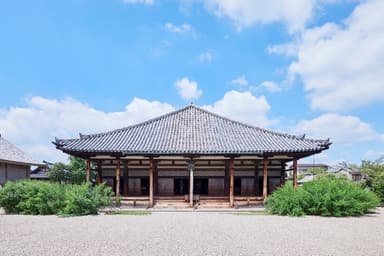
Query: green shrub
326	196
41	198
37	197
286	201
84	199
332	196
11	195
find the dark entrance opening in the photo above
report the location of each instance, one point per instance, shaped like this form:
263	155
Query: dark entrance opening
181	186
237	187
260	187
144	186
200	186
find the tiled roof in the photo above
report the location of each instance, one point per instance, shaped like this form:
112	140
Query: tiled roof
11	153
191	130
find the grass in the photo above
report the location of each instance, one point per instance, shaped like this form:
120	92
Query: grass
131	213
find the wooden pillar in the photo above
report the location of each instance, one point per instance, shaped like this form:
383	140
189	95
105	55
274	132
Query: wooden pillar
231	182
295	174
256	179
99	179
118	177
125	177
226	178
155	180
265	179
282	175
88	171
191	167
150	204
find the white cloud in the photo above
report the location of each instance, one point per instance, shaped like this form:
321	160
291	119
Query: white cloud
245	13
183	28
341	66
244	107
271	86
341	129
289	49
34	126
148	2
188	89
206	56
241	80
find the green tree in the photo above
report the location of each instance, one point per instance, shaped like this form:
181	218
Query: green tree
374	172
73	173
59	173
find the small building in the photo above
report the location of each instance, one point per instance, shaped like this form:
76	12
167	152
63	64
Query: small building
14	163
302	168
41	172
194	154
351	173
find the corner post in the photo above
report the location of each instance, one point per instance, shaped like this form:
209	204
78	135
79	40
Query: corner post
231	182
118	177
295	173
150	204
191	167
265	179
88	170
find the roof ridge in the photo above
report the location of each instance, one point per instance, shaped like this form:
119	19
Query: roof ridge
191	106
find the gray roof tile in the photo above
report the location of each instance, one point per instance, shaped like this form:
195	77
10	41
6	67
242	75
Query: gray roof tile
11	153
191	130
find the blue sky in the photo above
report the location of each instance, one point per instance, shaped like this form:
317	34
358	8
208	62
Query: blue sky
297	66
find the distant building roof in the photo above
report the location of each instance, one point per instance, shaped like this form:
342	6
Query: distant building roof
351	170
191	131
11	153
307	177
312	165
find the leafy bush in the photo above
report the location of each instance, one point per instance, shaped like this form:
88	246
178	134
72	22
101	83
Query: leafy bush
286	201
326	196
375	176
84	199
37	197
41	198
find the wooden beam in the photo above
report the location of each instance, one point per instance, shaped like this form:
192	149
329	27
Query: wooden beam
88	170
191	167
295	174
231	182
118	177
282	178
150	203
265	179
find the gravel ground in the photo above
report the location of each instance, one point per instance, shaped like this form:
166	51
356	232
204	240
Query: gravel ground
191	233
